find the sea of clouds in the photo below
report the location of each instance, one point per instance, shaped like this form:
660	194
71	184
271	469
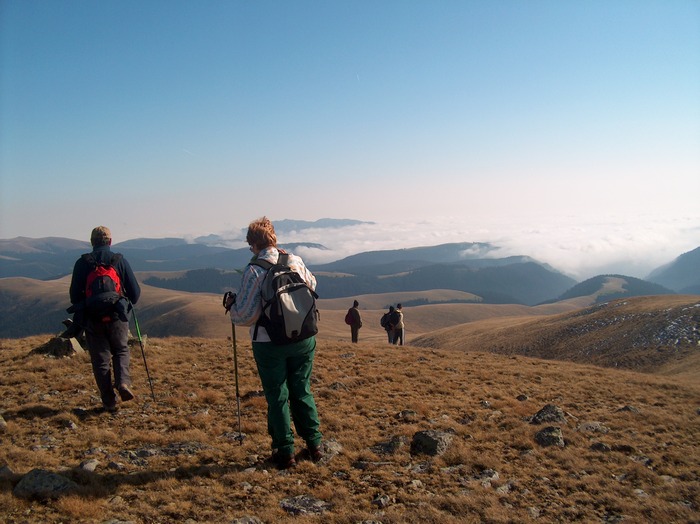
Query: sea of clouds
632	246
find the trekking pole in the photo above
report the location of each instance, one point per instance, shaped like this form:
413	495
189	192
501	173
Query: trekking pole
238	394
231	296
143	351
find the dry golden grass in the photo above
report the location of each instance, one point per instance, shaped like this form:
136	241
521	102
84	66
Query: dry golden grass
651	474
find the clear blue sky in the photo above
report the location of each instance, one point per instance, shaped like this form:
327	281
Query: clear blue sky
172	118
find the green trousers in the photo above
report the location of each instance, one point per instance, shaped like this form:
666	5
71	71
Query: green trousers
285	373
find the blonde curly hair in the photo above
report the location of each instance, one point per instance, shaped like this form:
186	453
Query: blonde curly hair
261	234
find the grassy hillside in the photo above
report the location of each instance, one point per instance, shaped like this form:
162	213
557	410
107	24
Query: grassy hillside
29	307
641	333
631	441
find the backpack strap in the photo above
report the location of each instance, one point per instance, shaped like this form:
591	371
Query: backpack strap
90	259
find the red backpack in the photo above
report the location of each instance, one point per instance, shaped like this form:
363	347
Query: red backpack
103	287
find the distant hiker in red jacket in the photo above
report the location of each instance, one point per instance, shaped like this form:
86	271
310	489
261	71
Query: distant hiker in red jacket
354	320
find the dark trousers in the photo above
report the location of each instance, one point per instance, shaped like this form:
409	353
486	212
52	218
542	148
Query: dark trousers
285	374
354	332
398	336
108	346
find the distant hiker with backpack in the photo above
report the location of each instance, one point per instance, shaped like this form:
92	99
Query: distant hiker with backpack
385	322
354	320
398	325
102	289
284	358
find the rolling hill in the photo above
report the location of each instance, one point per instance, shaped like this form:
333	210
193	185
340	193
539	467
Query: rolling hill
682	275
648	334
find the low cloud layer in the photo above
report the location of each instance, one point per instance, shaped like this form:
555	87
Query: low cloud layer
631	246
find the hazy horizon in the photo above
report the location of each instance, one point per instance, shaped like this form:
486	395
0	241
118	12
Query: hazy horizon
566	131
579	250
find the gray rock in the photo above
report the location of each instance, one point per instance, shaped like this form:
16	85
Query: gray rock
600	446
431	442
3	425
89	465
592	427
550	436
391	446
407	415
487	476
43	485
548	414
304	505
59	347
628	409
247	520
382	501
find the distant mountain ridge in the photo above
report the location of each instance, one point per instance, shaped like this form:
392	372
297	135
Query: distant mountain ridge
681	275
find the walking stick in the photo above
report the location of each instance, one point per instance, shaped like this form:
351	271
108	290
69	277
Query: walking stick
238	394
228	295
143	351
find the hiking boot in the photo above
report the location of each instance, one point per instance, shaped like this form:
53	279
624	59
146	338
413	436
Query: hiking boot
125	393
283	460
110	408
315	453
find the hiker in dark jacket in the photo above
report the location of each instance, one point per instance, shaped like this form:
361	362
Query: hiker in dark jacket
355	318
386	324
106	331
398	325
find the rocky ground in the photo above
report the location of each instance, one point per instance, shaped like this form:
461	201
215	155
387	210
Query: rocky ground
412	435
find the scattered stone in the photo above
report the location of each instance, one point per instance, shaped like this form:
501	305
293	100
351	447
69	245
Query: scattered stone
422	467
89	465
431	442
522	398
550	436
43	485
485	404
592	427
382	501
487	476
624	448
58	347
247	520
69	424
600	446
466	419
348	355
642	459
549	413
391	446
628	409
304	505
3	425
337	386
534	512
407	415
330	448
